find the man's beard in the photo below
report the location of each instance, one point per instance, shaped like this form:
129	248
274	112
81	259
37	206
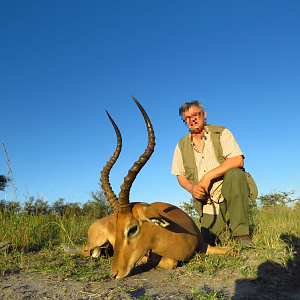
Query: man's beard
199	129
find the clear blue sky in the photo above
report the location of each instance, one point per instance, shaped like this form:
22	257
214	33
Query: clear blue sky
62	63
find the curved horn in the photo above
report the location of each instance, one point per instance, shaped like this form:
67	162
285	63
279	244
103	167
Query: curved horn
124	205
109	193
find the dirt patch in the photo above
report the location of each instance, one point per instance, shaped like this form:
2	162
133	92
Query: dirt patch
145	283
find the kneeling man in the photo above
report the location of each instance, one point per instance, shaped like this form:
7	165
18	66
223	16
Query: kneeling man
209	164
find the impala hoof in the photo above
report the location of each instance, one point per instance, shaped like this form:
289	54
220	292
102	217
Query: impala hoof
233	253
113	275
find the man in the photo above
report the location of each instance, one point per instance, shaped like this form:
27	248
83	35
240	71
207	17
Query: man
217	188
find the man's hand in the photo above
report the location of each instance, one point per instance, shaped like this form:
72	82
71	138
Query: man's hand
200	190
204	183
197	191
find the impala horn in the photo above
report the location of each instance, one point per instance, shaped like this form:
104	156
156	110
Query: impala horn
123	205
109	193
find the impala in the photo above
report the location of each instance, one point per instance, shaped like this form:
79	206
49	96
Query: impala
158	233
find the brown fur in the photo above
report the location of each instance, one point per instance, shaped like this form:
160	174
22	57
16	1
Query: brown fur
164	235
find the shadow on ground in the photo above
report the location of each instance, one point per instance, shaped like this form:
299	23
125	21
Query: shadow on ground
274	281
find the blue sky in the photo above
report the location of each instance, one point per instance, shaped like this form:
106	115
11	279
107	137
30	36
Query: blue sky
63	63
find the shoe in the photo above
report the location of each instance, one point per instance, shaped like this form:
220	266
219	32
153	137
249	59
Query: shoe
244	241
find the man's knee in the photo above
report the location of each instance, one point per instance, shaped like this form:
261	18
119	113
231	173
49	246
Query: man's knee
235	184
234	173
235	177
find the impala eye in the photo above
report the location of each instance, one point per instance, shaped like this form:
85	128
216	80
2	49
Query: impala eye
132	230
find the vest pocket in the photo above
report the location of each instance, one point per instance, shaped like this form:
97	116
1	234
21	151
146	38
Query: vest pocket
190	173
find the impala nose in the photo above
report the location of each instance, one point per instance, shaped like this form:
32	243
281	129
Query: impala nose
120	274
113	274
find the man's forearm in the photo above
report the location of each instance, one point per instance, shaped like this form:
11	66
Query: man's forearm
233	162
199	190
185	183
196	190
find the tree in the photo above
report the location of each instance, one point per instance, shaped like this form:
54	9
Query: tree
188	207
10	206
98	205
3	182
72	209
58	206
275	199
2	205
36	207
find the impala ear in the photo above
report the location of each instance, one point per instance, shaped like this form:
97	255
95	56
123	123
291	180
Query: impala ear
145	213
158	221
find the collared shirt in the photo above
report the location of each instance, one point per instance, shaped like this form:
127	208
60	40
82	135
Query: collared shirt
205	161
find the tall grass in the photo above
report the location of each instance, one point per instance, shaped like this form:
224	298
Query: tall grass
31	233
271	228
271	224
276	233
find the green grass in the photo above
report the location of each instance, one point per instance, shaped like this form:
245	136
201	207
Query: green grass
31	233
274	265
55	261
204	295
37	247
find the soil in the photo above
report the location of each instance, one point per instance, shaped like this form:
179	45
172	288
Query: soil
154	283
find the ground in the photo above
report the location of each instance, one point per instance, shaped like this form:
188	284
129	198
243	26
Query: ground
254	280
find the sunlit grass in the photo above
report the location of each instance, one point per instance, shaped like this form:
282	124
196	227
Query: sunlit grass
277	238
29	233
55	261
272	223
37	246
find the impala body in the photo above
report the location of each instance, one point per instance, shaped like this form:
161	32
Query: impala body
158	233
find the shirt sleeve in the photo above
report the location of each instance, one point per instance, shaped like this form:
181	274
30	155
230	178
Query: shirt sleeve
177	165
229	145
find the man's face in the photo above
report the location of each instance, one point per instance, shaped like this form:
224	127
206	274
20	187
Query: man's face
194	119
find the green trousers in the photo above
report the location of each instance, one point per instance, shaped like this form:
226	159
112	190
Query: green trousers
235	191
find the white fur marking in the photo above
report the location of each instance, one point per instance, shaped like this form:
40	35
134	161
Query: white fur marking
159	222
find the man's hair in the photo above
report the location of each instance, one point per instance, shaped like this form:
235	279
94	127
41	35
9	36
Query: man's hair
186	106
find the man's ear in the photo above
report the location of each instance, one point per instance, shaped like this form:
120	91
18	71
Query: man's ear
145	213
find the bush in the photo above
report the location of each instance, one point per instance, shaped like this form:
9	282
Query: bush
3	182
97	206
275	199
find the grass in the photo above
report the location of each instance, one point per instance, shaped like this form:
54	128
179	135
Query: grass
55	261
30	233
203	294
37	247
275	262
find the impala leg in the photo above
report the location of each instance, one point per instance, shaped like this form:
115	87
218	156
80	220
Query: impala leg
86	251
96	252
168	263
144	260
219	250
157	260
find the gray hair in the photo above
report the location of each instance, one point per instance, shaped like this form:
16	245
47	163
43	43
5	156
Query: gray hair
186	106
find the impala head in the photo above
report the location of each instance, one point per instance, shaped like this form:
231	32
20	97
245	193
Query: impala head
131	237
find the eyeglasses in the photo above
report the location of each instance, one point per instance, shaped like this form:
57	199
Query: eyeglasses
189	118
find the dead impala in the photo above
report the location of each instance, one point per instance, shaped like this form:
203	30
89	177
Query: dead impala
163	230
